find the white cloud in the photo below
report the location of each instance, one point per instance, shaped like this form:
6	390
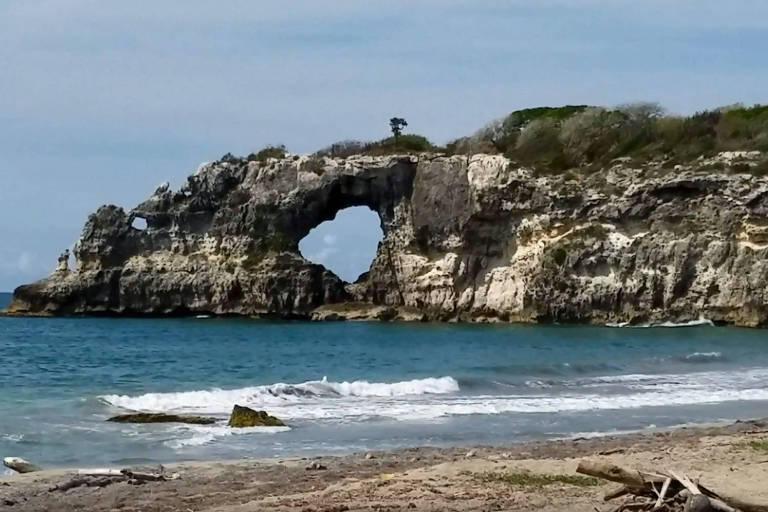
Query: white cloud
330	239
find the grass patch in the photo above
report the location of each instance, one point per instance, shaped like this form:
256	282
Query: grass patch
759	445
526	479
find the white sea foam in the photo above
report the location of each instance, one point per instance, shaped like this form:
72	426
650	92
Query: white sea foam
701	381
13	438
704	356
426	399
198	435
690	323
220	401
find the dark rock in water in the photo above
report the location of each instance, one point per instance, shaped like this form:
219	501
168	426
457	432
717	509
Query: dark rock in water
467	238
146	417
247	417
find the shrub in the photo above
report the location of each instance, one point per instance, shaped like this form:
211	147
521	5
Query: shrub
591	135
266	153
553	139
404	144
315	164
344	149
501	135
741	128
538	141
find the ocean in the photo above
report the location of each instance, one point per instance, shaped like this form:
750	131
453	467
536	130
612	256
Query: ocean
344	387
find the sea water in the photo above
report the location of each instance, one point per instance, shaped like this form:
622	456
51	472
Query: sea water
344	387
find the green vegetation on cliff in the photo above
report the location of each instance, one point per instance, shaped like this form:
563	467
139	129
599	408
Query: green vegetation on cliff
554	139
407	143
584	136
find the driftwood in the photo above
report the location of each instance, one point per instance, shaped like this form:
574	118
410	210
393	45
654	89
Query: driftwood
664	492
81	481
105	476
20	465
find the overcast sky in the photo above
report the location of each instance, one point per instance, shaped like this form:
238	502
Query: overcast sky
100	100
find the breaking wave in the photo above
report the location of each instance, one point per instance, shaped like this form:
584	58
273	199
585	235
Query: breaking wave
690	323
202	435
220	401
431	398
703	357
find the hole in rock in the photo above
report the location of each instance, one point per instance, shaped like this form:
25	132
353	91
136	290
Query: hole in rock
345	245
139	223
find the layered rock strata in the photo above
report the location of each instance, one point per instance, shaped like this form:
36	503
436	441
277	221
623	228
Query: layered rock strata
465	238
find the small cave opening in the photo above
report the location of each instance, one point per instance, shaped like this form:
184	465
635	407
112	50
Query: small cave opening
139	223
345	245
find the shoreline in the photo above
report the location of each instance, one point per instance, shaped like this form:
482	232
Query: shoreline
315	316
471	477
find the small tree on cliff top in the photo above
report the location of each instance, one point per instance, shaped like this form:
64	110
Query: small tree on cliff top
397	124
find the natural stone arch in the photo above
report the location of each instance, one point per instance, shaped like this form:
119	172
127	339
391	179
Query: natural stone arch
381	190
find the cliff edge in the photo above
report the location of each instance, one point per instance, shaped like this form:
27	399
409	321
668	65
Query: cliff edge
468	238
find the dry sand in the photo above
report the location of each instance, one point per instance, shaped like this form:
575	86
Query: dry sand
420	479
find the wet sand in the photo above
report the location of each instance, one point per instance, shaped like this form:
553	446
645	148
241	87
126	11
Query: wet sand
477	478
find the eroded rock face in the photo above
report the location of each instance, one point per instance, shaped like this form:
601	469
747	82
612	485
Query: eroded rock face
465	238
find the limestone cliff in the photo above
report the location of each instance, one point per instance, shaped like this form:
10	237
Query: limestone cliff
465	238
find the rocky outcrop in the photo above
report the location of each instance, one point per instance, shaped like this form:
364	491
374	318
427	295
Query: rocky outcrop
158	417
465	238
246	417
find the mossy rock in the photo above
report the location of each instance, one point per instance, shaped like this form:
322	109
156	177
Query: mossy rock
147	417
247	417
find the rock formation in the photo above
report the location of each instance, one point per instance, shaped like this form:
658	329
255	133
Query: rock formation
246	417
473	238
159	417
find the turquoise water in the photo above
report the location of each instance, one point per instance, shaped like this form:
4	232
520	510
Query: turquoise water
345	387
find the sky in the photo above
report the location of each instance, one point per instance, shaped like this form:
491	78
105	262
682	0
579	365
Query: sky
102	100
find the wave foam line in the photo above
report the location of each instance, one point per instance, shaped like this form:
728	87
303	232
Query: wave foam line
222	400
204	435
690	323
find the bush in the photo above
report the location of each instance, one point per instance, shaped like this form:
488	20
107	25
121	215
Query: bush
403	144
344	149
266	153
591	135
741	127
559	138
501	135
538	142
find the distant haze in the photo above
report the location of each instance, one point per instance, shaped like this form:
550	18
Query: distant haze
100	102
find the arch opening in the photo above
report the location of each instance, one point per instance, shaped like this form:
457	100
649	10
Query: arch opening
139	223
345	245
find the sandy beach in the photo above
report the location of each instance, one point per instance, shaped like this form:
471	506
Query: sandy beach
527	476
